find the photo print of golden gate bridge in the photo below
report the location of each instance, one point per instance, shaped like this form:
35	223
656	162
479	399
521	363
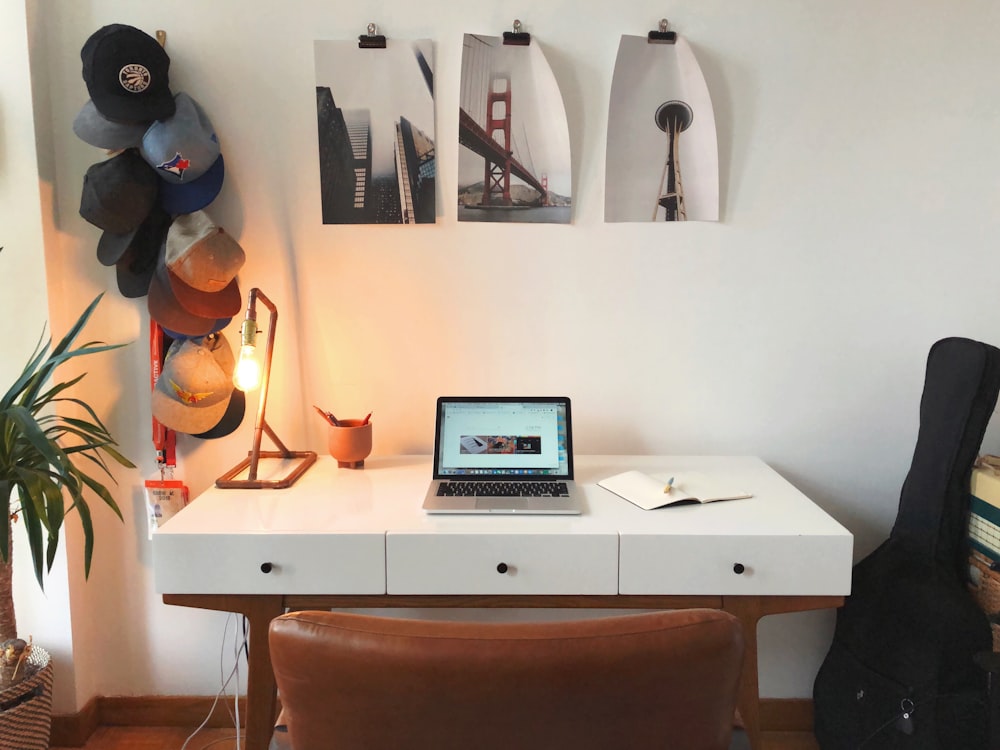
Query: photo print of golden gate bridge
375	111
662	154
514	155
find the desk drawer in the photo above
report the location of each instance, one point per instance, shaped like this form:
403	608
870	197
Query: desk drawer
501	563
295	564
752	565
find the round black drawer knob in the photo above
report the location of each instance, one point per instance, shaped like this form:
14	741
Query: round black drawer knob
738	568
266	567
502	568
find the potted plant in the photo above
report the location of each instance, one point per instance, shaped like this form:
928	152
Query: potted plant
48	463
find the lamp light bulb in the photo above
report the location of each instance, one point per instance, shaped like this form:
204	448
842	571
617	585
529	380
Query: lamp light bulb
246	375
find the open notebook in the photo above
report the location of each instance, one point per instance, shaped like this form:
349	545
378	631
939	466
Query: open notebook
649	492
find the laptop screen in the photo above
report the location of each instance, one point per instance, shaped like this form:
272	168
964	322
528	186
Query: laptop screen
517	438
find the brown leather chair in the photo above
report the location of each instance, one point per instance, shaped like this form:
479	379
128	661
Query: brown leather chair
657	680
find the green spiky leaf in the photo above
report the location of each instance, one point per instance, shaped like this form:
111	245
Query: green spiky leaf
46	459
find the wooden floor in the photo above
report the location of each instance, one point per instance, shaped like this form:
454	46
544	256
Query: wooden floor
172	738
158	738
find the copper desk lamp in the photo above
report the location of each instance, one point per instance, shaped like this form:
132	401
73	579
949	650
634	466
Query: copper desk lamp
247	376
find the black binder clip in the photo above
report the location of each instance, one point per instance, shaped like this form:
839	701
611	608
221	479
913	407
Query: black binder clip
662	36
371	40
517	36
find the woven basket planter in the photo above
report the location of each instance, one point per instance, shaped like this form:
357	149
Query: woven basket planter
26	707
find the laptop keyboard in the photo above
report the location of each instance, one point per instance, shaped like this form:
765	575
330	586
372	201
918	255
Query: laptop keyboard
460	488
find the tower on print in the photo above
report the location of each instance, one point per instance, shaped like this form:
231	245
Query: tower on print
662	151
514	155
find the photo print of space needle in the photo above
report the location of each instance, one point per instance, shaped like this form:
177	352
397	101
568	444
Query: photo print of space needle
673	118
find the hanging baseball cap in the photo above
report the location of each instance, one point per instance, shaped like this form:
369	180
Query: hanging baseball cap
119	193
219	325
134	272
126	72
225	303
168	312
181	148
195	386
146	239
200	263
230	420
190	196
94	128
135	266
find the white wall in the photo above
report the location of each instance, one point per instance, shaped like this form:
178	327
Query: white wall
42	615
859	155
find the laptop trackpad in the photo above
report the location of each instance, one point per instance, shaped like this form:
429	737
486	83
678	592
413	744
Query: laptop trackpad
503	505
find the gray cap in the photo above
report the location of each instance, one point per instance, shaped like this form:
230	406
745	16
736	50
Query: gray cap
94	128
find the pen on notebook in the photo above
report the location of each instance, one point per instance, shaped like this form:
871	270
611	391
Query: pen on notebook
670	485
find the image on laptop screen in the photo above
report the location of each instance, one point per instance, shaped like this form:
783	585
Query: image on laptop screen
528	438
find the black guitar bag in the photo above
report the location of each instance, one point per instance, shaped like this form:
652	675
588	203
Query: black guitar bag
900	671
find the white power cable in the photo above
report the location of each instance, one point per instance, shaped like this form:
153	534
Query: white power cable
236	669
225	684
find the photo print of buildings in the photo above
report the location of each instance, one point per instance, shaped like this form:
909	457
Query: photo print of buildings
514	155
375	110
662	154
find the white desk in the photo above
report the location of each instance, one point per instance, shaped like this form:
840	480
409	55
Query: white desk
347	538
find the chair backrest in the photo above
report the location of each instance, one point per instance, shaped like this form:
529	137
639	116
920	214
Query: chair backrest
656	680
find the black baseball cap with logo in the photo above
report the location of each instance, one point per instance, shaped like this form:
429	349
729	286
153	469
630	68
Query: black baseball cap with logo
126	72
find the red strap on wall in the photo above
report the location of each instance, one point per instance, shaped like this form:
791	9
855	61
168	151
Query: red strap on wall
164	439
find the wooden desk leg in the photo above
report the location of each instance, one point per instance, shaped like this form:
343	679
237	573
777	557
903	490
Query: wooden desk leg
262	691
748	612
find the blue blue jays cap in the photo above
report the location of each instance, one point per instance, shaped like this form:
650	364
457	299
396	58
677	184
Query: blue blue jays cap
188	197
182	147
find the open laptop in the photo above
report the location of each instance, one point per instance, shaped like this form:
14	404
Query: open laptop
503	454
